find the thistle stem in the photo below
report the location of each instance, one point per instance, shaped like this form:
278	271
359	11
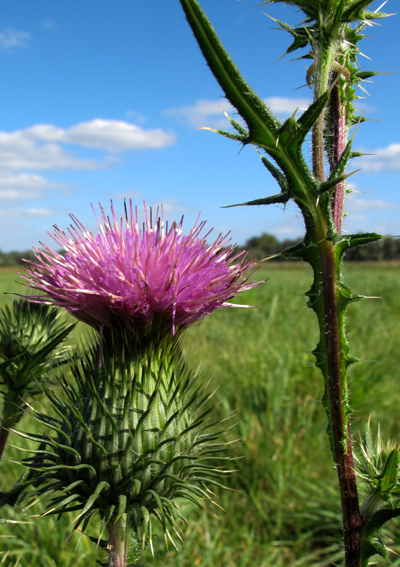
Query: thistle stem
323	61
336	368
339	138
117	544
333	340
334	362
318	149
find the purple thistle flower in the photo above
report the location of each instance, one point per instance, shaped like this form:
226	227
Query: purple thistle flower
131	276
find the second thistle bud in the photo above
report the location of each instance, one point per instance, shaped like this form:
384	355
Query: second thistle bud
379	468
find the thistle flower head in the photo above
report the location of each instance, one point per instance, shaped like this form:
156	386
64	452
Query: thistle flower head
132	276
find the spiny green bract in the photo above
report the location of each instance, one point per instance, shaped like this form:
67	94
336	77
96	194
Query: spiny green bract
378	466
29	337
130	440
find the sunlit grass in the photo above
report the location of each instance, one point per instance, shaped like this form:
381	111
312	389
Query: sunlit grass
284	509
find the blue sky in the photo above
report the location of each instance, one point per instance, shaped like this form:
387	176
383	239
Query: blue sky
103	100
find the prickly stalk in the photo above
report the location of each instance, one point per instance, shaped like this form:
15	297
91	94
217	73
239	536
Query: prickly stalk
332	30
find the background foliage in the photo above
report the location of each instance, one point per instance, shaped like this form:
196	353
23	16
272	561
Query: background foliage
266	245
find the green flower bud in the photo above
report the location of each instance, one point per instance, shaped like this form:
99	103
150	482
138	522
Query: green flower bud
129	441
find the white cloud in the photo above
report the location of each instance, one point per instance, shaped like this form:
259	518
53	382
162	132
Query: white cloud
117	136
360	205
210	112
172	207
20	151
110	135
138	117
42	148
130	194
27	181
283	232
25	213
35	212
370	214
14	187
381	159
48	24
283	105
10	38
203	113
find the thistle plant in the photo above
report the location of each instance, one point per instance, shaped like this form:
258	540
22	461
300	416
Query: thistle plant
31	347
129	438
331	30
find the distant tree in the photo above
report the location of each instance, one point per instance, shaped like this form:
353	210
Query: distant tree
10	259
383	250
266	245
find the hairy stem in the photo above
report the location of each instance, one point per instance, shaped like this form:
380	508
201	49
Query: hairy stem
338	129
336	367
318	156
333	354
323	63
117	544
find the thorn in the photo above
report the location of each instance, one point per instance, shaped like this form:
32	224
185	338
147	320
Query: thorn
151	546
224	112
381	6
270	257
356	128
301	87
272	18
363	54
364	90
217	505
172	541
257	150
352	173
209	129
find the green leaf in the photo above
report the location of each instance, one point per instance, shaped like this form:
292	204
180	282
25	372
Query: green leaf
261	123
279	198
390	473
92	499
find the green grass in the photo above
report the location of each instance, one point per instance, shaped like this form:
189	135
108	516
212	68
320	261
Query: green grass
283	508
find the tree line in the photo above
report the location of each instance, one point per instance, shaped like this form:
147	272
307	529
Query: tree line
264	246
9	259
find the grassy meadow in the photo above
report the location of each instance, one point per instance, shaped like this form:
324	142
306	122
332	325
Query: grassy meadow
282	509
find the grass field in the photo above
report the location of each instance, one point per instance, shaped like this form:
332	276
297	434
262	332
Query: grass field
285	510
